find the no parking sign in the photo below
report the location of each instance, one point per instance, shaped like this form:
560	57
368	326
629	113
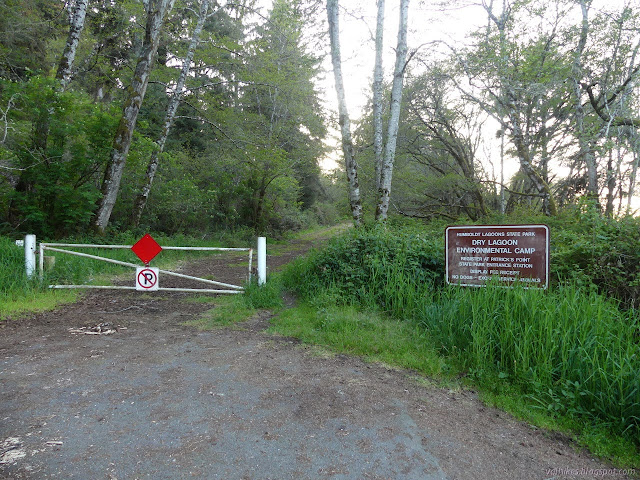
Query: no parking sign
147	279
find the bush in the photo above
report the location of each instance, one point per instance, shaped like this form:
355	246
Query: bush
588	248
372	266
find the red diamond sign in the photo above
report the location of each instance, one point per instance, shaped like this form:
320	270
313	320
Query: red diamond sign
146	249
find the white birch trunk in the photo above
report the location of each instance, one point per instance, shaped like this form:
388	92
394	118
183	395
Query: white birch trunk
634	140
377	94
345	125
169	118
384	192
77	15
122	141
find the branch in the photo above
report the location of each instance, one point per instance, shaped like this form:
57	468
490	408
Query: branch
513	192
600	109
3	117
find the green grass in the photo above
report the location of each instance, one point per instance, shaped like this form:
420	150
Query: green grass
35	301
233	309
366	334
227	311
571	351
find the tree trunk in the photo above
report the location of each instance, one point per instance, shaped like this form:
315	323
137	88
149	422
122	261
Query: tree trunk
543	188
174	103
377	94
584	143
156	12
384	192
632	180
76	19
351	165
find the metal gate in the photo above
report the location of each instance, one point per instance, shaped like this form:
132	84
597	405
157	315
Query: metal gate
30	247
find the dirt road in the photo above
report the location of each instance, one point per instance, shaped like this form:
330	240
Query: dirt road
159	400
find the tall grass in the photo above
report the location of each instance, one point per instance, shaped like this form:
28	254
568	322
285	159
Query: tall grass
571	350
13	280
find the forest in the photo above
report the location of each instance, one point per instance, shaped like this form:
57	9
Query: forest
183	116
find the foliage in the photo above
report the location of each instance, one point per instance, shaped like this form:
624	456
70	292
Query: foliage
25	27
601	251
372	266
57	176
243	151
591	250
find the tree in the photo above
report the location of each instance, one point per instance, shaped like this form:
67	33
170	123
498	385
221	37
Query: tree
449	133
378	87
559	90
519	80
282	108
169	119
585	153
26	27
386	172
156	13
41	128
351	165
77	14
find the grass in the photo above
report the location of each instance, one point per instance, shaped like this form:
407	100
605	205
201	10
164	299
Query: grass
36	301
571	351
232	309
366	334
227	311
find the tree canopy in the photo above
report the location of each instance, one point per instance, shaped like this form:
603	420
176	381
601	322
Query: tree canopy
195	115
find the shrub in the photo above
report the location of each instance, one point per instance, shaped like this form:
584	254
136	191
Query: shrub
372	266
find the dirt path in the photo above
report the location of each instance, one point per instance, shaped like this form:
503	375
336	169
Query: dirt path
159	400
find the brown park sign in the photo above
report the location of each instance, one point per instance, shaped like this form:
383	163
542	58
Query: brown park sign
476	254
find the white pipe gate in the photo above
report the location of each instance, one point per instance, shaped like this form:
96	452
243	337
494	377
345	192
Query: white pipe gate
30	264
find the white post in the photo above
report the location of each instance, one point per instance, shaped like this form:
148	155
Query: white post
41	261
262	260
30	254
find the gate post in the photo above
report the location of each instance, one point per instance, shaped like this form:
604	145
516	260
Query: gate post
30	254
262	260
